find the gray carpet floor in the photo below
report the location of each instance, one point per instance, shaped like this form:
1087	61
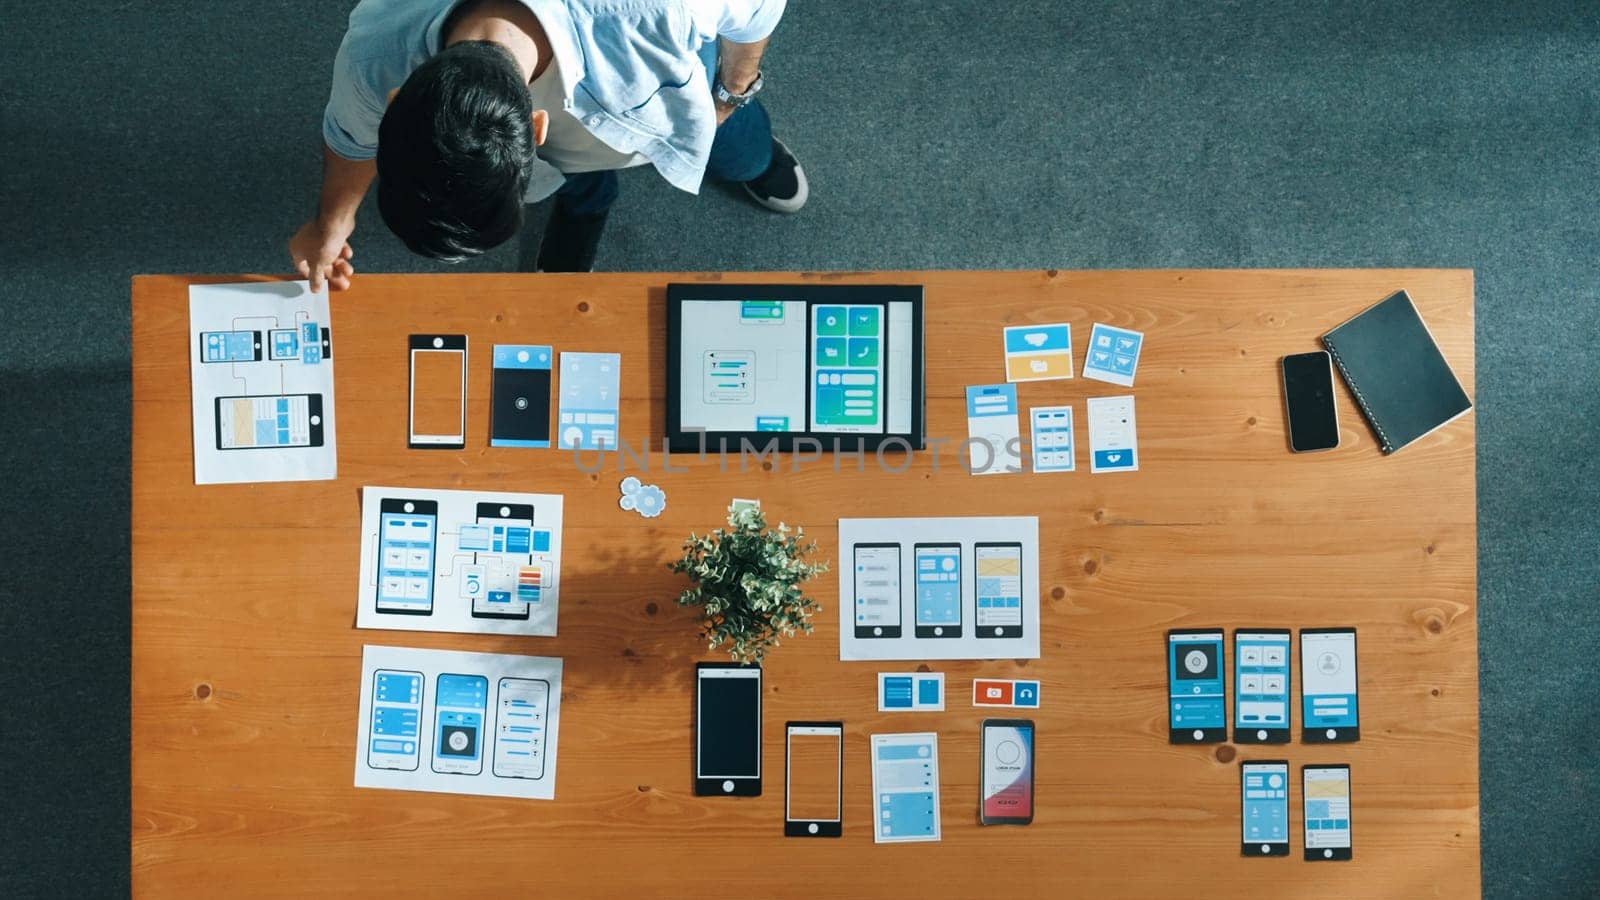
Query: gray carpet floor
183	137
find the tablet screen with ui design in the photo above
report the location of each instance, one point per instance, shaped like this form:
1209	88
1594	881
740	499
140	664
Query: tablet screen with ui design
841	364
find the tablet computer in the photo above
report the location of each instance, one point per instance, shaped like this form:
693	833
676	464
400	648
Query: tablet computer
773	363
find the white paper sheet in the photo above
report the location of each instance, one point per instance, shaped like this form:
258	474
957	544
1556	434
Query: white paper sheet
261	379
879	565
431	559
1113	435
491	731
905	787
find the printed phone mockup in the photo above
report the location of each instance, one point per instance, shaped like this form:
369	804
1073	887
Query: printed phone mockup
407	530
1264	806
395	738
813	781
727	730
1006	778
460	702
1308	397
877	582
1261	686
937	569
1197	707
1330	713
438	411
519	405
1325	793
502	580
521	713
997	583
230	346
269	421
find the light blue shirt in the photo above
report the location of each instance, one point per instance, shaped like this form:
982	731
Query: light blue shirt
634	72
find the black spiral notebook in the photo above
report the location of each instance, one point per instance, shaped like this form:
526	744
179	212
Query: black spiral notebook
1393	366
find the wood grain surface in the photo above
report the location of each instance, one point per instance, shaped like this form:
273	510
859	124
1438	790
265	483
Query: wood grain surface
246	661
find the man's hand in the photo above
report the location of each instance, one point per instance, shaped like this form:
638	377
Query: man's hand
321	252
724	110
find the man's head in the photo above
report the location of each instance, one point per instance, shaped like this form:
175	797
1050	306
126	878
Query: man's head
454	151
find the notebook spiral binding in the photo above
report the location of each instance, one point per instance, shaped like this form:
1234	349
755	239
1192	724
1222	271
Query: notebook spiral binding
1383	438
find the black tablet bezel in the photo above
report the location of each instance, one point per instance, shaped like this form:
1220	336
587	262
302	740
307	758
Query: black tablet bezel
681	441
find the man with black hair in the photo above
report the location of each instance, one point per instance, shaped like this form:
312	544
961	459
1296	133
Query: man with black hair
465	110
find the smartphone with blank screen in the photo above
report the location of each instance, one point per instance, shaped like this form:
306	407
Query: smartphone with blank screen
269	421
1007	776
1308	396
1325	795
877	582
813	781
937	575
438	418
1264	806
1330	713
727	730
997	579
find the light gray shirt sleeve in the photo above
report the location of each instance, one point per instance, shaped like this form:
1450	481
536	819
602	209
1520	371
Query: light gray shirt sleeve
350	123
748	21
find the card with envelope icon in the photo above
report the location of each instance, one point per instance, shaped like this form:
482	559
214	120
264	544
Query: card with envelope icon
1038	352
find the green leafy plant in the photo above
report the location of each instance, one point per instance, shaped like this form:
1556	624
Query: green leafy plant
748	582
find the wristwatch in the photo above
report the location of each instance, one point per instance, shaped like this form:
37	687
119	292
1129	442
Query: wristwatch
729	98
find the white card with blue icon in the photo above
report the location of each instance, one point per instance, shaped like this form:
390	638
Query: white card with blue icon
1113	354
1053	445
1113	435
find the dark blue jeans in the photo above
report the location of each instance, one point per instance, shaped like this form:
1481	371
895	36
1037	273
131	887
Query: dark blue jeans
741	151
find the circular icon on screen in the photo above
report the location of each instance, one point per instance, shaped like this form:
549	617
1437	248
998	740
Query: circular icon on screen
1008	752
948	564
1274	781
1328	663
458	741
1196	661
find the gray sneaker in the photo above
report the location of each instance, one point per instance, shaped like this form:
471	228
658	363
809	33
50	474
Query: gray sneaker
782	187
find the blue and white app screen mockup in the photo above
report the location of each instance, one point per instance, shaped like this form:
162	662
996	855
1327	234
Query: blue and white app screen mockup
460	702
1197	694
938	585
229	346
245	423
395	737
999	583
1327	801
877	583
1261	681
1007	772
521	713
405	566
1265	797
1328	681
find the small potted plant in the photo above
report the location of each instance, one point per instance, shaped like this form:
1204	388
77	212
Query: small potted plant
748	583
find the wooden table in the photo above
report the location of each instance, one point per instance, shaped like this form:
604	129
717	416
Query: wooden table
246	662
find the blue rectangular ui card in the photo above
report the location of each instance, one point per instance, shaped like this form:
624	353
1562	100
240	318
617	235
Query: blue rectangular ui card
590	384
905	787
1053	447
1038	352
1113	354
310	343
910	691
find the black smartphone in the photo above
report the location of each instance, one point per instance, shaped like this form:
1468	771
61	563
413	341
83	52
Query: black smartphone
1007	773
877	582
1261	690
1325	798
997	589
407	534
727	730
1197	700
230	346
1330	709
1264	807
438	417
1308	396
813	780
269	421
503	580
937	575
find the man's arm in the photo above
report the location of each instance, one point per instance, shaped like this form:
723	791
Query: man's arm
737	67
320	250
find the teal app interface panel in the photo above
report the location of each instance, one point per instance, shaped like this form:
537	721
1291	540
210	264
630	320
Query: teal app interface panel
843	362
1328	685
1261	686
460	702
396	732
938	594
1197	700
1264	805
